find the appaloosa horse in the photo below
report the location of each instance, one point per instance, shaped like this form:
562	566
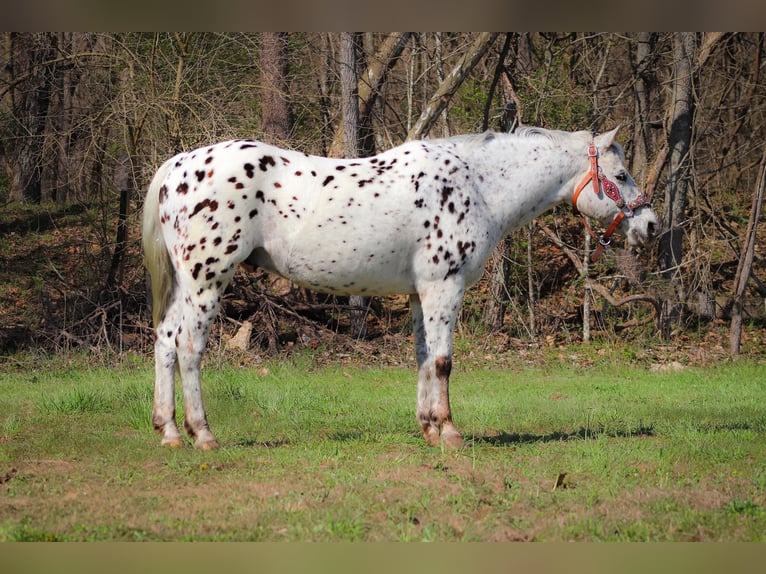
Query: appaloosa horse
421	219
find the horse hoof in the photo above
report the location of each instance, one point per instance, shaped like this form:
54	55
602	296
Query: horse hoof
431	434
172	442
209	444
452	438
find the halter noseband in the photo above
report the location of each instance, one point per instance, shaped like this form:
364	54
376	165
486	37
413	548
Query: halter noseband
596	176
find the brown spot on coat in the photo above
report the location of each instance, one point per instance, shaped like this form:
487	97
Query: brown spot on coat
212	204
266	161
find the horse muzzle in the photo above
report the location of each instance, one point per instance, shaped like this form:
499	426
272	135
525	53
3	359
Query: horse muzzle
642	227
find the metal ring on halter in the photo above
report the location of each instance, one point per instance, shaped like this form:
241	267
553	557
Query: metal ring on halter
606	243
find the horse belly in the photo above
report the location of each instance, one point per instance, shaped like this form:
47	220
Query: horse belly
331	269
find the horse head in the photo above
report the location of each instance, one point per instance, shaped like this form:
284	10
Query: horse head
608	194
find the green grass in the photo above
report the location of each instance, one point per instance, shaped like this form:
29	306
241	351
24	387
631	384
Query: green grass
333	454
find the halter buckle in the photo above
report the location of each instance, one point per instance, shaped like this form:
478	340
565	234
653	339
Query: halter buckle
604	242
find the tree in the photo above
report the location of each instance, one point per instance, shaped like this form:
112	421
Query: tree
370	83
447	88
745	265
644	87
349	105
31	81
680	118
276	117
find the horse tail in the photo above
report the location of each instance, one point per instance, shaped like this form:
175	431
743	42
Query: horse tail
156	257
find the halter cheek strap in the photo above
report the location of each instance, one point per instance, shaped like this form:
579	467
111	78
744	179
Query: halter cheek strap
599	180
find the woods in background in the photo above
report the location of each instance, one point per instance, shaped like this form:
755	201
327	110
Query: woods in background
86	118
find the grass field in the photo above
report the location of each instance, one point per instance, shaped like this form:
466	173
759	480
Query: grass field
606	451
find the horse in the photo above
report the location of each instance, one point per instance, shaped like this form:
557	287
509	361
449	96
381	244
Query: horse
420	219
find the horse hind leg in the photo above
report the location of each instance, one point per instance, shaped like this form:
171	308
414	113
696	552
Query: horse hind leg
164	410
198	313
425	377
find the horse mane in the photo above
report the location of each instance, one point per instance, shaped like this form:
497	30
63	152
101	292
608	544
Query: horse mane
555	136
558	136
469	140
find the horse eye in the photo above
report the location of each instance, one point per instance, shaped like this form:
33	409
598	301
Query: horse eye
622	176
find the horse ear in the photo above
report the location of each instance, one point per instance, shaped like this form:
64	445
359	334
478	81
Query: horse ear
605	140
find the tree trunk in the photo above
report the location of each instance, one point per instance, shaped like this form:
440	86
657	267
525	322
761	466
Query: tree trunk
494	314
643	87
276	114
74	135
125	184
680	116
349	106
30	97
371	82
349	101
276	118
587	291
744	268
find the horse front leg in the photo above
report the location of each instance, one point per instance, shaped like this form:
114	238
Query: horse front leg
434	312
450	436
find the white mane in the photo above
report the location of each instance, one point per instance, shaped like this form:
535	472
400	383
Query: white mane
478	140
556	136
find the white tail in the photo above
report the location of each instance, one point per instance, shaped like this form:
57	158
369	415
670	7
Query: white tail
156	259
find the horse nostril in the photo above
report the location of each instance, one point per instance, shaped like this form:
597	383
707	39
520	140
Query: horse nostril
650	229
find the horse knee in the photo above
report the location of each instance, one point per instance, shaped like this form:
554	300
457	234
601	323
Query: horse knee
443	367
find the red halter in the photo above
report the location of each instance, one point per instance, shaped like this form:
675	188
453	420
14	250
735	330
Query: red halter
596	176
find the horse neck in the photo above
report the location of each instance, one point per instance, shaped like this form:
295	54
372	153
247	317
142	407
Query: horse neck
524	177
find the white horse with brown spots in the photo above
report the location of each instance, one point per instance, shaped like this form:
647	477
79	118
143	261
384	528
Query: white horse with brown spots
420	219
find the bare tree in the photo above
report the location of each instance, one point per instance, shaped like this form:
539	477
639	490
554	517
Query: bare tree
745	266
644	87
349	104
450	85
31	81
276	118
371	82
680	118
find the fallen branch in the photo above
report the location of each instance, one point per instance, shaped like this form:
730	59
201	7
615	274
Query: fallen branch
641	297
568	251
600	289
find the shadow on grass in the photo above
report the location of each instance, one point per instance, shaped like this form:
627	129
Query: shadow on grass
509	439
501	438
250	443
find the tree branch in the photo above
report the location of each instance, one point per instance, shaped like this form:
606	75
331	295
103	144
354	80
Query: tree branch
450	85
371	81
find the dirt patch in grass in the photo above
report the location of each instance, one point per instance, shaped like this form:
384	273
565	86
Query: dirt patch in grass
423	495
